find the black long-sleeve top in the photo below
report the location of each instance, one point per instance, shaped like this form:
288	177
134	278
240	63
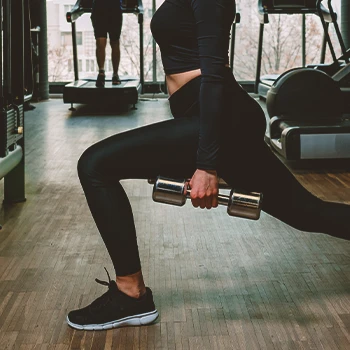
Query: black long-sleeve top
194	34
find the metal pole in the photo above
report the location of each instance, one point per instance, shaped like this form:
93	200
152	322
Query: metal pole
154	65
330	45
7	51
142	78
324	45
75	52
303	40
1	67
337	30
345	21
17	51
43	58
263	20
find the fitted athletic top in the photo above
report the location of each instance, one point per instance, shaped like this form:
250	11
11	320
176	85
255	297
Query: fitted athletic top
194	34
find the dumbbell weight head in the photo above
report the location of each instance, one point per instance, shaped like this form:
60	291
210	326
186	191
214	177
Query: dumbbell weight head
244	204
169	191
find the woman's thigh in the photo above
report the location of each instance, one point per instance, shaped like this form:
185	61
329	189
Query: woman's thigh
167	148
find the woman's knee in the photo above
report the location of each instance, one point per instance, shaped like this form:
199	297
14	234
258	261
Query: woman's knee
89	164
105	160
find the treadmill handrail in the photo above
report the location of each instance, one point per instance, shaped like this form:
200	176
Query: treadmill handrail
275	9
269	7
78	10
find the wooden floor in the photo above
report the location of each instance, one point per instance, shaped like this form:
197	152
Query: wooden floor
219	282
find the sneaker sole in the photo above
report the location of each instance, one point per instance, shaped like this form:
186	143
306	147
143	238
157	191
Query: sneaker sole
135	320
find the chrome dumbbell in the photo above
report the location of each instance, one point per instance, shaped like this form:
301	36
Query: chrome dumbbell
239	203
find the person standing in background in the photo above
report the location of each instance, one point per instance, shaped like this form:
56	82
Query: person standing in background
107	18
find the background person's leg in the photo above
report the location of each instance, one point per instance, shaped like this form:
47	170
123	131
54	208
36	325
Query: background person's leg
101	53
100	31
114	29
115	45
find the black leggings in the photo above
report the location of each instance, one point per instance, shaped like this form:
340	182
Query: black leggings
169	148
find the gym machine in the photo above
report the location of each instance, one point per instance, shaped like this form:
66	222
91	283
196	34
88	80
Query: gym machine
306	107
12	100
84	90
306	110
327	16
239	203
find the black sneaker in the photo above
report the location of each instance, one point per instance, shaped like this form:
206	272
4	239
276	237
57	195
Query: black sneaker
114	309
116	80
100	81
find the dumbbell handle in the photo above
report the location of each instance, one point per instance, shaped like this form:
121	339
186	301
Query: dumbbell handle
222	199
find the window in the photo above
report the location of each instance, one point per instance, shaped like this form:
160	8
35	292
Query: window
79	38
276	58
66	38
67	8
61	66
282	46
90	65
89	43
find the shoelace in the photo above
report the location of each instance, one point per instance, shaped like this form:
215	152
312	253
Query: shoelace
104	283
105	298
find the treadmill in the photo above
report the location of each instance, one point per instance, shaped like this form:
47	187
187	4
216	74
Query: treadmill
266	7
84	90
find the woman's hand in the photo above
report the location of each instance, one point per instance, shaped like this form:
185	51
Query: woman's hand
204	189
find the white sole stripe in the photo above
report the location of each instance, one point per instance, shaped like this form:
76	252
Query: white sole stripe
134	320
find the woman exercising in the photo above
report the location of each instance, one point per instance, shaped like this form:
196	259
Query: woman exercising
217	130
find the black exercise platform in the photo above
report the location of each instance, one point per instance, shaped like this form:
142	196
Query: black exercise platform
84	90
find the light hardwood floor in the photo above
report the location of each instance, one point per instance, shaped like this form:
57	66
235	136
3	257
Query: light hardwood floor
219	282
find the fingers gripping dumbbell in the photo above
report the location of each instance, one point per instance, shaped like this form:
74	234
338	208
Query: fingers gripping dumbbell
239	203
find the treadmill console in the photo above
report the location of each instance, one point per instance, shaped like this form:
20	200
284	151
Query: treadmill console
130	3
287	6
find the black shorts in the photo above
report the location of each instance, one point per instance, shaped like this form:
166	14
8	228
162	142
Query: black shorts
107	20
